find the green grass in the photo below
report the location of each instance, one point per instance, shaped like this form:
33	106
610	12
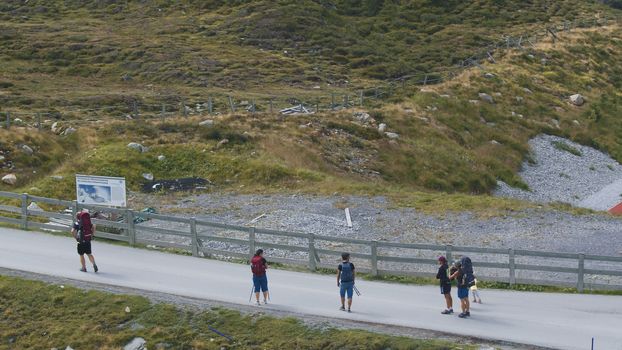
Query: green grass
37	315
563	146
444	160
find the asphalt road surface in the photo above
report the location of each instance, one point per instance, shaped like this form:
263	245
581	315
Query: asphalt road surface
563	321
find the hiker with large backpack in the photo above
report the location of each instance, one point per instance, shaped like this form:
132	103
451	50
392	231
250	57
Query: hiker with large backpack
443	276
260	279
345	281
83	231
465	278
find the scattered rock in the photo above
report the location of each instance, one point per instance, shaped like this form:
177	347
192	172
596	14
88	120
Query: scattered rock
69	131
544	61
555	123
26	149
56	177
392	135
576	122
317	87
362	117
498	94
495	142
34	207
519	99
382	127
577	100
530	56
487	98
17	121
126	77
9	179
424	119
161	157
127	309
148	176
527	91
2	158
208	122
137	146
222	143
136	344
68	348
445	96
489	75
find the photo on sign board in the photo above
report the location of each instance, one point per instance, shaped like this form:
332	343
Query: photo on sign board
94	194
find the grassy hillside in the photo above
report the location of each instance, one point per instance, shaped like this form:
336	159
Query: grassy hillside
97	53
450	140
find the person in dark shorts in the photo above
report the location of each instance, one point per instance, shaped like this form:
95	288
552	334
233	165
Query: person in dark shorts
84	231
345	281
463	290
259	265
443	276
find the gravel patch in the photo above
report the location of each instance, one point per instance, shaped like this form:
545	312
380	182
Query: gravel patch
563	171
375	219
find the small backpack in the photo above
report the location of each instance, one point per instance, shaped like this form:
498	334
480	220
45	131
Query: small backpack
85	227
468	278
257	266
347	274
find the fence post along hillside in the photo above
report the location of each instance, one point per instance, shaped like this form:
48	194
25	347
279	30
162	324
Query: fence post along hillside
214	103
204	238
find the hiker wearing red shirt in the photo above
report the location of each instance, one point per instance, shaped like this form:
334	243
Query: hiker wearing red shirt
84	231
260	280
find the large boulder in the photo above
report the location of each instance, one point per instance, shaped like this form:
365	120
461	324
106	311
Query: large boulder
136	344
137	146
69	131
208	122
9	179
577	100
392	135
485	97
26	149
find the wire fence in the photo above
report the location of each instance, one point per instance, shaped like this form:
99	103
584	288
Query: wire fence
313	102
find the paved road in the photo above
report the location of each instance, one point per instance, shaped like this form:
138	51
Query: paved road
561	321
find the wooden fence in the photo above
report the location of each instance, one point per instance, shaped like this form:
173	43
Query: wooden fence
582	271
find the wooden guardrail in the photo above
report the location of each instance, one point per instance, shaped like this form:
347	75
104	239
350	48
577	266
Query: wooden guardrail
195	235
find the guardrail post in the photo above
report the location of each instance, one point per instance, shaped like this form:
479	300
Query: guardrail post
448	249
312	253
131	228
195	238
24	211
580	283
374	258
252	236
8	120
512	264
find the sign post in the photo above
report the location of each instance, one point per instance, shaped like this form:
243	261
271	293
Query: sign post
101	190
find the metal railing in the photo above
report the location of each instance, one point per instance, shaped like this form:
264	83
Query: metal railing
203	237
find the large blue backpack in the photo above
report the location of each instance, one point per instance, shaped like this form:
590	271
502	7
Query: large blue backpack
468	278
347	274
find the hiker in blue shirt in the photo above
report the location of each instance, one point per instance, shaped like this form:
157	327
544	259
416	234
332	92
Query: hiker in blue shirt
345	281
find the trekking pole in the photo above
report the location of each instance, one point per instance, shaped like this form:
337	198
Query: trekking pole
356	290
251	296
230	338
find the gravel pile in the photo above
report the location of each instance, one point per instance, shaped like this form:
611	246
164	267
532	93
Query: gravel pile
375	219
563	171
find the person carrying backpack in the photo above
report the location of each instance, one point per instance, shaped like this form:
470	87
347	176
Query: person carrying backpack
465	278
345	281
443	275
260	279
84	231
